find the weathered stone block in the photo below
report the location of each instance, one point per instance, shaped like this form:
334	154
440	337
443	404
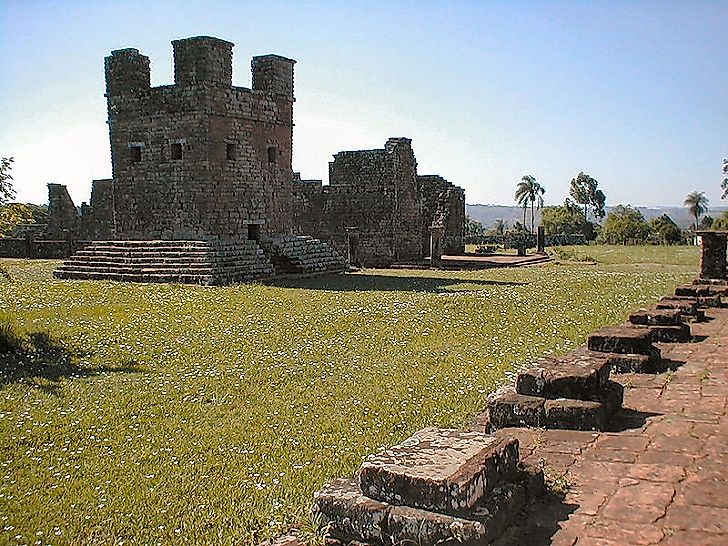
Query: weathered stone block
510	409
621	339
576	414
636	363
656	317
576	375
688	307
352	515
349	512
443	470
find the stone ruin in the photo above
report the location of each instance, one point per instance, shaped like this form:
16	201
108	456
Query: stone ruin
450	487
207	163
379	194
441	486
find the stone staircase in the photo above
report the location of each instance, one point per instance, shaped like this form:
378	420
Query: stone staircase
569	392
439	487
303	255
189	262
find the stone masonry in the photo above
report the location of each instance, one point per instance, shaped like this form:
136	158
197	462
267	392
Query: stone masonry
200	159
203	160
380	193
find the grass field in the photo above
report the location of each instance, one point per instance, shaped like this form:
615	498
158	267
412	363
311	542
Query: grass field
159	414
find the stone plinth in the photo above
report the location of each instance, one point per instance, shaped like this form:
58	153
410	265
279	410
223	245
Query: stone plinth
578	376
621	339
713	258
439	487
443	470
656	317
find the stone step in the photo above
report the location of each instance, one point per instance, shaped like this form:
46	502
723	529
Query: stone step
507	408
656	317
576	375
354	518
688	307
621	339
697	290
679	333
630	362
443	470
169	261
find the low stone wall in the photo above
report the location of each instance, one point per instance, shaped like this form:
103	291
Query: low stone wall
11	247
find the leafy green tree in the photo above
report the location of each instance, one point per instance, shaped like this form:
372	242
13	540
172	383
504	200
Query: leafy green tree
473	228
13	214
721	223
529	191
6	186
563	219
697	204
724	184
624	225
499	227
665	231
584	190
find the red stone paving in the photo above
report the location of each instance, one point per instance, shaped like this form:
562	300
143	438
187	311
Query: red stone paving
659	477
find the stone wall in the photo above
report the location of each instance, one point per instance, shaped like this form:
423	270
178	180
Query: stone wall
443	204
378	192
97	217
63	217
200	159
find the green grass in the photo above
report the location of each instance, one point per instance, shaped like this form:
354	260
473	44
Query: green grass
159	414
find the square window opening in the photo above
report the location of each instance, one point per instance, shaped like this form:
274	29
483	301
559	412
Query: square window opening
135	154
272	154
253	232
176	150
230	151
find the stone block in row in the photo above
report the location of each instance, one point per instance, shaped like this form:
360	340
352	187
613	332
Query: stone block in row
443	470
701	290
507	408
621	339
657	317
636	363
576	375
353	517
688	307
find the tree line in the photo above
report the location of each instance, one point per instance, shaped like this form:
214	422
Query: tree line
623	225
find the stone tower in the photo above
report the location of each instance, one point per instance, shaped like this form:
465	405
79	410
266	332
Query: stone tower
200	159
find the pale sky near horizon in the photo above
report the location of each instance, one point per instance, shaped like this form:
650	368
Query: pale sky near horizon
634	93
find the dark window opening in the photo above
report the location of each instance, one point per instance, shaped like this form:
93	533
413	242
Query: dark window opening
135	154
176	150
253	232
230	151
272	154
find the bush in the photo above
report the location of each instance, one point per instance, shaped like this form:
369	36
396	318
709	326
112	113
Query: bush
624	225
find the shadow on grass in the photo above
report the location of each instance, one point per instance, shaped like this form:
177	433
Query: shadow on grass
539	522
386	283
41	361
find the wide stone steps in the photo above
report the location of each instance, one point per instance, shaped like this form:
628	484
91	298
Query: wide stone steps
303	255
193	262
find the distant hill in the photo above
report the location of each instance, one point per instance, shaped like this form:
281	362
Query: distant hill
488	214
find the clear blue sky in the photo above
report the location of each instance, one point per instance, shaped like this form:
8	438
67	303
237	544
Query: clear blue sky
634	93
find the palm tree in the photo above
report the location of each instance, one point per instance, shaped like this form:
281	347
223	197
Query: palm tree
528	190
697	204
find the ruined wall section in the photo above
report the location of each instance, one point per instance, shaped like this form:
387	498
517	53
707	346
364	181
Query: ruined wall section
97	217
200	159
63	217
443	204
375	191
